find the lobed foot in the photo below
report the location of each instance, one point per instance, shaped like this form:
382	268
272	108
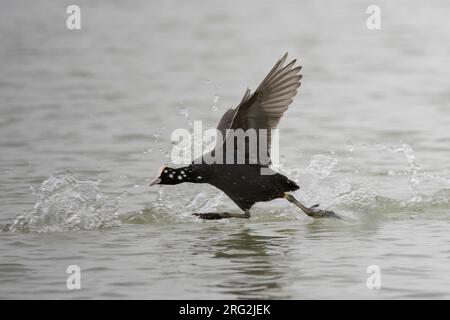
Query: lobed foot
315	212
212	215
221	215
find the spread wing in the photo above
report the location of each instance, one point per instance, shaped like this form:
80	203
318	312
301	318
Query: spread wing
264	108
227	118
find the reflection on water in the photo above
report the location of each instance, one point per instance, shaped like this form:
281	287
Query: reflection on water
251	261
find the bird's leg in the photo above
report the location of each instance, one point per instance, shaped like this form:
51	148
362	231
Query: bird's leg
313	211
222	215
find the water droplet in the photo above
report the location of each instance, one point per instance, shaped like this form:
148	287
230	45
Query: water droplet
392	173
350	146
184	111
412	168
215	101
164	152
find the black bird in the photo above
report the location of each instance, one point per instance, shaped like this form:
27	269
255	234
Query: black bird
244	183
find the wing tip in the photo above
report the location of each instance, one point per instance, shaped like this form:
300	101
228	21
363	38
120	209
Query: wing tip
293	62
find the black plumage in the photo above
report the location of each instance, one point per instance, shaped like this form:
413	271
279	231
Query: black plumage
244	183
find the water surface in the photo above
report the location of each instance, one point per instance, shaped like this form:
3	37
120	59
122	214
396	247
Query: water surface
86	118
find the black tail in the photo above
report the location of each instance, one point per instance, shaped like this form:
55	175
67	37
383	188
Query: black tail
291	185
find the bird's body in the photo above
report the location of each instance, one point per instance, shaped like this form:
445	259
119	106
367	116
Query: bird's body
244	184
244	181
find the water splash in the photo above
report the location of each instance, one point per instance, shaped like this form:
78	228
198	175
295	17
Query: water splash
203	202
334	180
322	165
350	146
412	168
344	184
178	207
65	203
357	197
185	112
350	149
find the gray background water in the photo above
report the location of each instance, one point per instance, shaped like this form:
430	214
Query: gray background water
367	136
